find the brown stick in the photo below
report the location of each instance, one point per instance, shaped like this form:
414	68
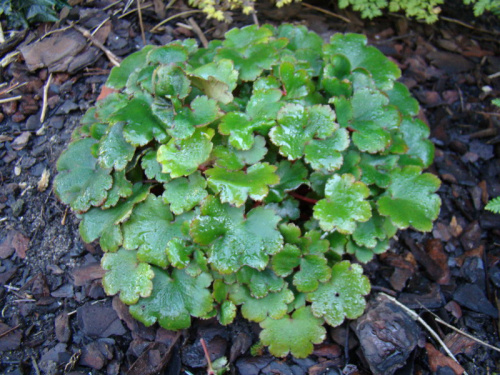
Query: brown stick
198	32
115	60
141	25
302	198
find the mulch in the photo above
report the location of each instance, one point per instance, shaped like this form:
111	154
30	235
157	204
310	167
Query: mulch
55	317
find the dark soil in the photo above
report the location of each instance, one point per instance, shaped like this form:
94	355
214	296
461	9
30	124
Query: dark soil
55	317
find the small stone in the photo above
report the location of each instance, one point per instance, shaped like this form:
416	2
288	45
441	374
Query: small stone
66	291
20	142
473	298
66	108
18	117
387	336
17	207
11	340
33	122
92	357
99	320
62	328
57	122
87	273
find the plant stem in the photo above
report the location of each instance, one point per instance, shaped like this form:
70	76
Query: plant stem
302	198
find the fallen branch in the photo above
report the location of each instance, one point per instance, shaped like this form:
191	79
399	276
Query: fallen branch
198	32
345	19
11	99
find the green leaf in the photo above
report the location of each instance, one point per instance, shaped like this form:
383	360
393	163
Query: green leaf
234	159
342	296
344	204
149	229
273	305
295	335
400	96
181	157
114	151
171	81
284	262
179	253
81	183
324	154
409	200
127	276
236	186
298	125
105	223
353	46
141	126
313	270
236	241
260	283
185	193
202	111
365	254
175	298
375	169
377	228
251	50
420	149
152	168
227	313
291	177
169	54
288	209
296	82
119	75
494	205
122	188
217	80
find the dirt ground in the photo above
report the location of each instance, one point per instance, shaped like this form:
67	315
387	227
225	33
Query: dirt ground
55	317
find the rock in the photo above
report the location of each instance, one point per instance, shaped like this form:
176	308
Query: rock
387	336
33	122
66	291
99	320
92	357
53	358
14	242
20	142
87	273
11	340
252	365
473	298
62	328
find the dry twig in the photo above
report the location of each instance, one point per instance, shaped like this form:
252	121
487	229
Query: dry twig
12	99
345	19
115	60
198	32
141	24
45	99
433	333
174	17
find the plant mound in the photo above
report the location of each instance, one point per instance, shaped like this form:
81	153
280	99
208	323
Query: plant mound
237	177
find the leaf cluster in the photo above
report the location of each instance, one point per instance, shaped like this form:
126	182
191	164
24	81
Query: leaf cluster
236	177
21	13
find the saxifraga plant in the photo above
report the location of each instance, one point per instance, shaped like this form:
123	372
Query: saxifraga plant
245	175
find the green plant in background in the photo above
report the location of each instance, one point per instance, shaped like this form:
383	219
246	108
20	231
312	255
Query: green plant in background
20	13
245	175
426	10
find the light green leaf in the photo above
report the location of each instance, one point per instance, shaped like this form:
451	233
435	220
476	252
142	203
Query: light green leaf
141	126
236	186
400	96
81	183
201	112
284	262
185	193
273	305
217	80
313	270
105	223
298	125
127	276
119	75
260	283
175	298
377	228
344	204
296	82
288	209
227	313
291	177
152	168
149	229
494	205
375	169
179	252
171	81
122	188
409	200
420	148
324	154
353	46
183	157
169	54
236	241
342	296
365	254
295	335
114	150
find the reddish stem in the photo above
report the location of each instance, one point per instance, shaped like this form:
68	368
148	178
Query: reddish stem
302	198
210	370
